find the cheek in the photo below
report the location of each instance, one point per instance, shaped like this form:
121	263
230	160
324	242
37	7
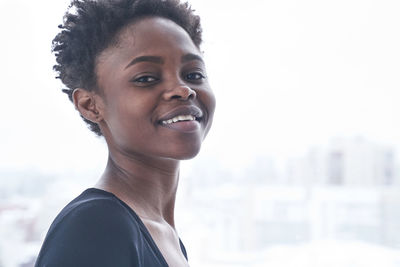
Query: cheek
209	101
128	115
129	106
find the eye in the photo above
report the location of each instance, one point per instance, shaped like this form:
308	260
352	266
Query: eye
195	76
145	79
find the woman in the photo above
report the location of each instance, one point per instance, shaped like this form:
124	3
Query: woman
135	73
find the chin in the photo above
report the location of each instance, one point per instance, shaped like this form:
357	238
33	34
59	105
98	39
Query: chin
186	152
188	156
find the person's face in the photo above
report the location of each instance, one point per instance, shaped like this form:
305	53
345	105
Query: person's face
156	98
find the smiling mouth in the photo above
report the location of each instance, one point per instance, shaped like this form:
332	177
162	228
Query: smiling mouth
184	119
180	114
180	118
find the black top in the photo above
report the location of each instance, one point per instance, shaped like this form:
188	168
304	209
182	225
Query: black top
98	229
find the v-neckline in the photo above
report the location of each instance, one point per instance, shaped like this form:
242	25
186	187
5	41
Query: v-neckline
143	228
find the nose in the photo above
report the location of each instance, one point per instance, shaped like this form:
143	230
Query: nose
180	92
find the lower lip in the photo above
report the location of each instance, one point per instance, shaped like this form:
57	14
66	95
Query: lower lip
183	126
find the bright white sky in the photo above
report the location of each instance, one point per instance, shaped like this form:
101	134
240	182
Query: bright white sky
287	74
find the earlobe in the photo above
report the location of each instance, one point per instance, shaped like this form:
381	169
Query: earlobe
85	103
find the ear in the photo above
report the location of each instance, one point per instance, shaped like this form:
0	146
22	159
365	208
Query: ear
86	103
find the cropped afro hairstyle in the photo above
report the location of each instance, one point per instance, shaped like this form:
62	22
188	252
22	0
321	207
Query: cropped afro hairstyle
90	26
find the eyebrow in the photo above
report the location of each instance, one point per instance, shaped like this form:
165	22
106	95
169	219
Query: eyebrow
159	60
153	59
190	57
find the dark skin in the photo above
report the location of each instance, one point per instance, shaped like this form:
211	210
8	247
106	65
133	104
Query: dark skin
153	74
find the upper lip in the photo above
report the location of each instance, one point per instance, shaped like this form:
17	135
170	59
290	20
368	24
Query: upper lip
182	110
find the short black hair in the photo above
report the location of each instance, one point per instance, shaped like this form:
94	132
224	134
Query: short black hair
90	26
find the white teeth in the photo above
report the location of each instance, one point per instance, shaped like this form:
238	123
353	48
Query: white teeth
180	118
167	122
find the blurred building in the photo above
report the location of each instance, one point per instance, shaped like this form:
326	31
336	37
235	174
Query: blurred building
346	161
346	190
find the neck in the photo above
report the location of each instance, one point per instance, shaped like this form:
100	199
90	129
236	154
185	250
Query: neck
148	186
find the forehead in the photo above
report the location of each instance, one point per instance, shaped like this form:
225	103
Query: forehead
152	35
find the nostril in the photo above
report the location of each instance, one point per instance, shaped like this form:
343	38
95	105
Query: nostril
180	92
191	93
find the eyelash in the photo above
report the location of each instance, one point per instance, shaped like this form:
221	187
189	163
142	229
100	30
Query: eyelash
199	75
148	79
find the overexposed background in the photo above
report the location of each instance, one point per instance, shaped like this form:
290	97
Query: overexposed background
301	167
